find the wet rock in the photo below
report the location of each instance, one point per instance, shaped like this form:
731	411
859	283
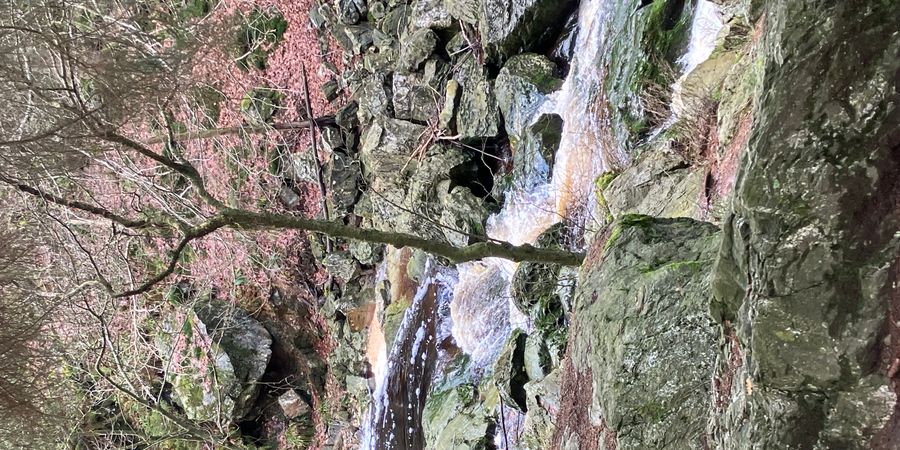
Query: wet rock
660	184
535	149
535	290
522	86
478	114
216	355
332	139
509	372
512	27
351	11
459	413
543	401
292	405
343	174
645	334
804	275
415	48
341	265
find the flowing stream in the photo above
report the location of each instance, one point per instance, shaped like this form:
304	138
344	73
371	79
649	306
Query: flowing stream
482	314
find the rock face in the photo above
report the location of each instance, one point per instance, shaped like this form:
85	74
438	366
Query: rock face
216	355
661	183
459	413
513	26
808	271
645	335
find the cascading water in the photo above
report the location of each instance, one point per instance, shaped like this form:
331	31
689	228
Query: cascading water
482	312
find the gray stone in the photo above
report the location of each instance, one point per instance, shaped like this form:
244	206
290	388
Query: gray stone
415	48
477	115
343	174
373	98
509	27
644	332
431	14
341	265
351	11
216	354
292	405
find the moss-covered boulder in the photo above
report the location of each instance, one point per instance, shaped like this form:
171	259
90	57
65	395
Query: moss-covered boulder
645	335
216	354
460	412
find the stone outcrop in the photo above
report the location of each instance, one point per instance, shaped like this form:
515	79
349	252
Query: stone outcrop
645	335
807	275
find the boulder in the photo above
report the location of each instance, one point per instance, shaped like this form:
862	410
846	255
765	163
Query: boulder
216	354
477	115
415	48
807	276
510	375
509	27
460	412
543	403
522	87
660	183
644	333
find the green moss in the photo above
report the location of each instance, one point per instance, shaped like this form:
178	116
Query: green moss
600	184
678	265
653	411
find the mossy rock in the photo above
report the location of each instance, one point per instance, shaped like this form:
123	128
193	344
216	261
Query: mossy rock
645	334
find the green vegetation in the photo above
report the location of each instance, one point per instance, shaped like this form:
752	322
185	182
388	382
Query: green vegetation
260	105
260	31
